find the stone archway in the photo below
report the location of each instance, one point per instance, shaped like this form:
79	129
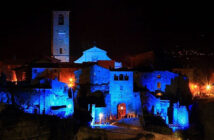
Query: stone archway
121	110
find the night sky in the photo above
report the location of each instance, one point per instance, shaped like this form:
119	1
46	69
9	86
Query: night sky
121	27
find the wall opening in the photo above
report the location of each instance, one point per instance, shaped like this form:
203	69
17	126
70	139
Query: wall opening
121	110
115	77
121	77
159	85
126	78
61	20
60	51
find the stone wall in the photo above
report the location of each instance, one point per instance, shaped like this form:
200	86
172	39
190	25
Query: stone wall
157	80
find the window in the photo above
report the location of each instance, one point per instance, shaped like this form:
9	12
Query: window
159	85
126	78
121	77
60	51
115	77
159	76
61	20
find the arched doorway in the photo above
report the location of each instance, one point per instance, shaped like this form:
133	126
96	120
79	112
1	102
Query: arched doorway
121	110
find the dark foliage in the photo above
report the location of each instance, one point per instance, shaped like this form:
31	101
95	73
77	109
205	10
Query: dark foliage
14	123
179	91
155	123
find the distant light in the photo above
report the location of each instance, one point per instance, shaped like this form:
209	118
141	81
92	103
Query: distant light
71	80
208	87
101	115
121	107
195	86
70	85
159	94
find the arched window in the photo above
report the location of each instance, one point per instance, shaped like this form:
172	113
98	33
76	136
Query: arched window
61	20
126	77
121	77
115	77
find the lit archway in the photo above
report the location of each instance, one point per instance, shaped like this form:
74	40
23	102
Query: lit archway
121	110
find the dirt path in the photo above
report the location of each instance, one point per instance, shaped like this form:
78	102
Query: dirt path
119	133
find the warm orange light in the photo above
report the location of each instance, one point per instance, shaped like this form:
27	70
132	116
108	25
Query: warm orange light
159	94
71	85
71	80
208	87
194	88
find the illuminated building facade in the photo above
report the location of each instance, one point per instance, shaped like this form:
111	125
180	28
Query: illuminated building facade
62	74
51	98
123	97
95	75
116	86
60	38
93	54
157	82
96	54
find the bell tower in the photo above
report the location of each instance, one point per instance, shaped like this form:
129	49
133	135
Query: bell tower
60	36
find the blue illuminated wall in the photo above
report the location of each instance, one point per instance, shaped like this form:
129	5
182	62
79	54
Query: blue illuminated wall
36	72
150	80
157	106
96	54
50	101
97	76
160	107
180	115
5	97
158	80
116	91
93	54
121	91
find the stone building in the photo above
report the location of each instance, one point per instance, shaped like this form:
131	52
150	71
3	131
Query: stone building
116	86
60	36
157	80
158	84
94	68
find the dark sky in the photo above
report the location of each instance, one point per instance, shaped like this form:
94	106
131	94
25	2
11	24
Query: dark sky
121	27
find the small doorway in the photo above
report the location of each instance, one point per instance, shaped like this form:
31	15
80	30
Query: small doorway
121	110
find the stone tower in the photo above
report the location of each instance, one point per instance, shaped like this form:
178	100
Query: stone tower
60	36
